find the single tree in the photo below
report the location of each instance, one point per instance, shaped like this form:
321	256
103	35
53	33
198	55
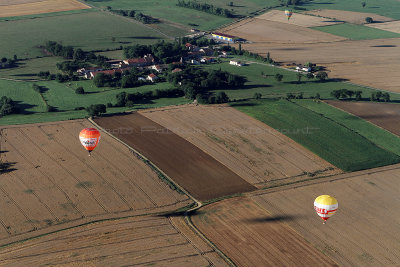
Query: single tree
363	4
310	76
322	76
358	95
222	97
350	93
369	20
96	110
317	96
79	91
278	77
257	95
336	94
386	97
299	77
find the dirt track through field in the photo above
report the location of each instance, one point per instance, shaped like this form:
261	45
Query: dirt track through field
250	236
52	181
197	172
26	7
253	150
385	115
144	241
365	231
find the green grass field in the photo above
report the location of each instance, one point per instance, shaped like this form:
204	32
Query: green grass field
63	97
167	9
378	136
388	8
269	87
357	32
338	145
89	31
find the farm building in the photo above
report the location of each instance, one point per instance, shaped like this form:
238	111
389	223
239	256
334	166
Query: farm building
224	37
236	63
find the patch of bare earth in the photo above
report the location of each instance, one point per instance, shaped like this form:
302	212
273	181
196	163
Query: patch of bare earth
194	170
143	241
391	26
265	31
250	236
386	116
347	16
52	183
297	19
27	7
372	63
254	151
365	231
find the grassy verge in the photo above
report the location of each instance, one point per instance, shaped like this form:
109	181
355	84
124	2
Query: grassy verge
328	139
357	32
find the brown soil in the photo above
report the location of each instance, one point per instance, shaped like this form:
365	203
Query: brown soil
365	231
250	236
253	150
266	31
347	16
29	7
194	170
297	19
392	26
384	115
143	241
52	181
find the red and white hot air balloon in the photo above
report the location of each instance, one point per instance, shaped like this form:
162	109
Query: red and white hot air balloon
325	206
89	138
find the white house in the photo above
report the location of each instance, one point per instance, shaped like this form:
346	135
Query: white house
236	63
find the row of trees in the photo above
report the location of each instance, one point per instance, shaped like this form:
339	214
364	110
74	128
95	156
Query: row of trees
128	100
195	81
345	94
135	15
6	63
206	8
220	98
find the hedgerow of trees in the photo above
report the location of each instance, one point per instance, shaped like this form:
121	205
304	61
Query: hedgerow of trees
128	100
146	19
246	53
165	52
208	8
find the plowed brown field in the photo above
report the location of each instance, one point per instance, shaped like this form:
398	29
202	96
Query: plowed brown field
30	7
143	241
253	150
52	182
386	116
297	19
365	231
197	172
250	236
347	16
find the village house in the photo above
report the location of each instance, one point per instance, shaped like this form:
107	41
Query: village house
152	77
157	68
207	60
139	62
236	63
86	71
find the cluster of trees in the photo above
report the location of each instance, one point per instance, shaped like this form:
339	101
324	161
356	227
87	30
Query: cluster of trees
291	2
195	81
380	96
165	52
128	100
346	94
8	62
246	53
206	8
294	95
96	109
128	79
135	15
220	98
197	41
7	106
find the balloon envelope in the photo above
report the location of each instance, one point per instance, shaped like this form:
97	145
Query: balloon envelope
325	206
89	138
288	14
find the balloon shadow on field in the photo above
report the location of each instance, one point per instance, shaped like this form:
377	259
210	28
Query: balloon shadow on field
181	213
270	219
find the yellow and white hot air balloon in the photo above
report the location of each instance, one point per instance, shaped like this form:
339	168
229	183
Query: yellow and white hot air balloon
325	206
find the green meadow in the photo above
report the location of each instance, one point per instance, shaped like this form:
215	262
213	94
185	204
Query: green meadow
337	144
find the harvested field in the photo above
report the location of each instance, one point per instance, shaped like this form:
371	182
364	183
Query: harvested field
347	16
29	7
143	241
250	236
253	150
51	181
392	26
297	19
350	60
194	170
386	116
365	231
265	31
